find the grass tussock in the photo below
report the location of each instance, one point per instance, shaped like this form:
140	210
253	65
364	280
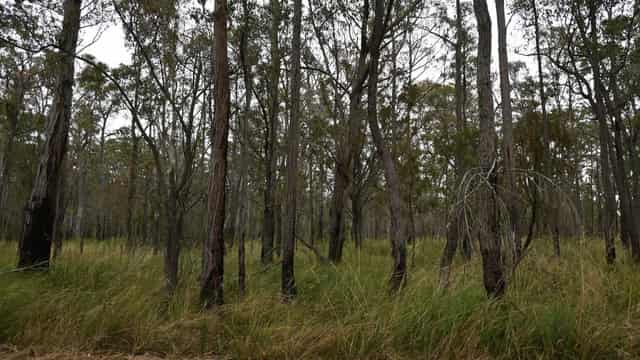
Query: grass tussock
104	301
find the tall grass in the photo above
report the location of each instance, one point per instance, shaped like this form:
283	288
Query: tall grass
105	301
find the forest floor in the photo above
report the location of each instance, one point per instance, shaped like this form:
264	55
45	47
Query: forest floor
107	305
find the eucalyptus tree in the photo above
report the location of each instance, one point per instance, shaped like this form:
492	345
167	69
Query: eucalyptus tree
173	130
488	235
293	137
211	291
507	130
40	212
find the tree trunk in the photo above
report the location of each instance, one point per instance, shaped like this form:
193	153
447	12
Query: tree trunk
241	226
489	239
40	212
131	194
507	128
211	291
291	189
58	225
397	207
357	218
347	147
455	228
14	109
551	218
133	167
269	225
599	108
172	217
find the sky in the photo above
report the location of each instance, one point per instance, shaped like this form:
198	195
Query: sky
107	44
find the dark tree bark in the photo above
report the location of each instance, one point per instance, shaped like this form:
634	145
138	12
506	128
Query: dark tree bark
490	245
269	224
347	147
211	291
58	225
288	247
13	110
241	227
40	212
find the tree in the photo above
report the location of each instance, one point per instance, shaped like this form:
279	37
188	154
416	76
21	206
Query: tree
489	237
211	291
397	208
507	132
291	188
40	212
271	138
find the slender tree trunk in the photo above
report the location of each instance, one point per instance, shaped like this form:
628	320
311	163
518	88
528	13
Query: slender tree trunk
241	227
397	207
455	227
211	291
14	109
291	189
347	147
551	218
269	225
321	200
131	194
489	239
172	216
599	109
507	128
357	217
40	212
133	168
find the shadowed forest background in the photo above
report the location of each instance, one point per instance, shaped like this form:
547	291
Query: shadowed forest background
321	179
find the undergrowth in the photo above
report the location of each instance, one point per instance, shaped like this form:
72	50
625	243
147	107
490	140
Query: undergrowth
106	301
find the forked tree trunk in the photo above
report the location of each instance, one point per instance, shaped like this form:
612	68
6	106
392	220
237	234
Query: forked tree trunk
489	238
211	291
40	212
346	148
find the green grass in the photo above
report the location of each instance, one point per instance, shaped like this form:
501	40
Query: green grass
105	302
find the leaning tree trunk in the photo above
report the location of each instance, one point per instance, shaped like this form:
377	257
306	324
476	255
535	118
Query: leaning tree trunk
40	212
397	207
489	238
211	290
